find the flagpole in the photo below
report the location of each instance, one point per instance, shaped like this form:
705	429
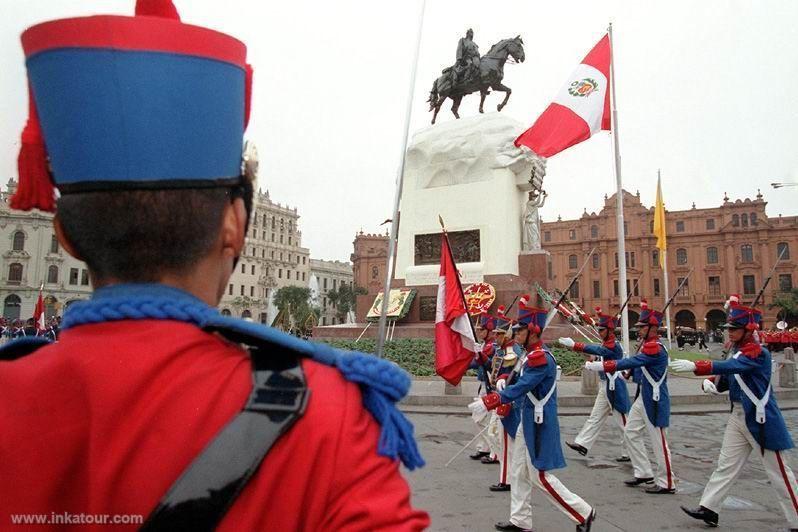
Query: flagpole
386	293
619	202
664	261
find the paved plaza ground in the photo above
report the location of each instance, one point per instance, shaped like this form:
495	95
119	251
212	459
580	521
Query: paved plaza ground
457	497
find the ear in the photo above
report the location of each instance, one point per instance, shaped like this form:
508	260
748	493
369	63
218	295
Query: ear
234	228
60	235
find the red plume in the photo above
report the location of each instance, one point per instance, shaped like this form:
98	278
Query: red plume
35	190
156	8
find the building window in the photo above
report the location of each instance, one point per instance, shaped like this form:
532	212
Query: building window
632	256
242	289
272	237
685	289
289	240
595	260
753	218
547	236
324	303
655	258
572	234
251	291
783	247
651	226
749	284
243	268
681	256
19	241
11	307
744	219
785	282
615	287
714	286
304	259
680	227
572	262
616	259
297	276
324	320
272	222
253	269
281	255
574	292
272	254
263	235
73	276
263	253
593	231
626	228
52	274
303	276
712	255
54	244
656	287
230	290
279	273
281	239
747	253
297	259
710	224
629	288
596	289
84	277
15	273
735	220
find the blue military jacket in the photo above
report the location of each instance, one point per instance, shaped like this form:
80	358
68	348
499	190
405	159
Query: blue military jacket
755	371
612	350
654	357
511	421
538	376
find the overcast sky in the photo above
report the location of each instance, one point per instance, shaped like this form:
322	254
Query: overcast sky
707	91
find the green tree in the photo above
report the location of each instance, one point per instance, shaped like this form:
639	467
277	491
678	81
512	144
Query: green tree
293	301
787	303
343	299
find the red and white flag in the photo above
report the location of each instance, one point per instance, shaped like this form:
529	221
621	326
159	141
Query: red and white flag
38	312
455	344
580	109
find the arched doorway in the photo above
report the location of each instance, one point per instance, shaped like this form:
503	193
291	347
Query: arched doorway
51	307
685	318
11	307
246	314
225	312
715	318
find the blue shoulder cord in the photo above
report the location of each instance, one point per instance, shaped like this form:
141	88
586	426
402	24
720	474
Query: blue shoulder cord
382	383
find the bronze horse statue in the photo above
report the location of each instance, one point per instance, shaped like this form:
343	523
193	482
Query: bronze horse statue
491	72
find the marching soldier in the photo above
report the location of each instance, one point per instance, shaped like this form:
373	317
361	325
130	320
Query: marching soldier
650	412
612	398
482	363
537	449
495	432
152	403
755	423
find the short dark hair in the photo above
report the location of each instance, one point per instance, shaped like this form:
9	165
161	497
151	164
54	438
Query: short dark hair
139	235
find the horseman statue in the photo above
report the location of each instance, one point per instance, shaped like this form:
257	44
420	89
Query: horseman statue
472	73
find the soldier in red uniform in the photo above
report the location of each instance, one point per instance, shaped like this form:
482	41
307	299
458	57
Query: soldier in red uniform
152	404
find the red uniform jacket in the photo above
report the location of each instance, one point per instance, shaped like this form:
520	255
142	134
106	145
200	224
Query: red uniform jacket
104	422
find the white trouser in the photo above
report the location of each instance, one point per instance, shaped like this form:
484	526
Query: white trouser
523	475
494	434
738	442
637	425
602	409
482	443
505	457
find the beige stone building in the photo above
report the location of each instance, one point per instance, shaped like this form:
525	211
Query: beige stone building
273	257
328	275
730	248
31	257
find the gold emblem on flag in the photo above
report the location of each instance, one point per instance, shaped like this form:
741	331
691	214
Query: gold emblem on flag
583	88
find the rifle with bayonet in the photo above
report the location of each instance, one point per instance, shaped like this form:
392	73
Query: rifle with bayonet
668	304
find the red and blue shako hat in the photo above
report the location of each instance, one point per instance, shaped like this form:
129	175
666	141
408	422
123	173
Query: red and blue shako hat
648	316
486	321
502	323
605	321
742	317
531	318
143	102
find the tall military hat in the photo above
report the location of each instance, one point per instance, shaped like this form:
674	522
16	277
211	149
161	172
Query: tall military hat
742	317
122	103
648	316
502	321
531	318
605	321
486	321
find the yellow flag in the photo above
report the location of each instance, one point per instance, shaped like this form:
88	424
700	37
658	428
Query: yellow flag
659	225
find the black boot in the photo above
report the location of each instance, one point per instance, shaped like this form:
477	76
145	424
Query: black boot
637	481
576	447
659	490
703	514
479	454
507	525
585	527
489	460
501	486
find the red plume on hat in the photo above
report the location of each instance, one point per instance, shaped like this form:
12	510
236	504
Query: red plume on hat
500	310
643	304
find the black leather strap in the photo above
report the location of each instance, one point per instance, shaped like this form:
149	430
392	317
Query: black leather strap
200	498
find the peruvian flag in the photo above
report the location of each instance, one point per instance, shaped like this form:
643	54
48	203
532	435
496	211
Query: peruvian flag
455	344
38	312
581	108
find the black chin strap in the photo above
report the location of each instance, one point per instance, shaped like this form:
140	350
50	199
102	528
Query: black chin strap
201	496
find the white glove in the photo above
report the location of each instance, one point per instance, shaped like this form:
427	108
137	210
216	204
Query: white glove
681	366
501	384
567	342
594	366
709	387
478	410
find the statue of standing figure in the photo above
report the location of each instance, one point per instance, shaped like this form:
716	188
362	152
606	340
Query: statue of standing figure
530	234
